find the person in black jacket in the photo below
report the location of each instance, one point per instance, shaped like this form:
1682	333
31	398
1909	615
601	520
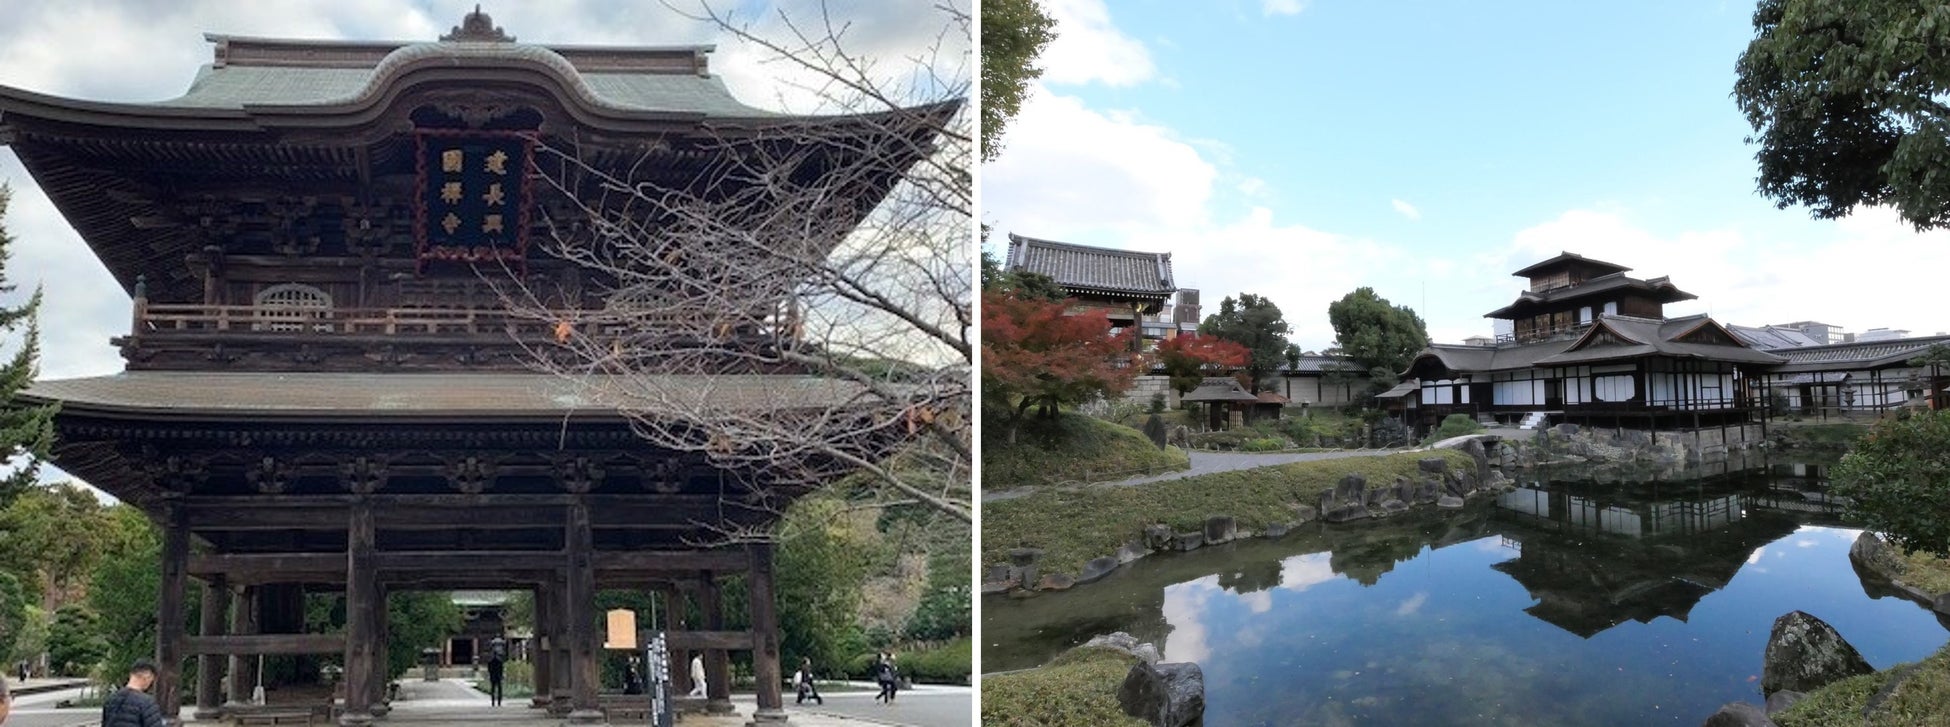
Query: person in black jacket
130	706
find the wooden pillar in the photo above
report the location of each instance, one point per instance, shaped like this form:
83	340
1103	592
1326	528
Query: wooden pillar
578	607
361	632
540	652
679	661
243	667
558	640
717	663
382	672
209	669
169	613
765	632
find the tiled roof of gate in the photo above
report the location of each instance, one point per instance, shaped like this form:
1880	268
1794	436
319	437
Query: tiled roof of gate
1219	388
1093	268
407	395
1867	355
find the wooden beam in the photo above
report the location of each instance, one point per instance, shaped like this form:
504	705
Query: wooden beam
650	564
170	612
247	644
710	640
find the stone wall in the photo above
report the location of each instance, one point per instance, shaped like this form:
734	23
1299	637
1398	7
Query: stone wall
1570	443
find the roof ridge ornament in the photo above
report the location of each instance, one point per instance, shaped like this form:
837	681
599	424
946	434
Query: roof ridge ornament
477	27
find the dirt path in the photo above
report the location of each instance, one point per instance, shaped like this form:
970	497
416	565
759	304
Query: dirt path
1205	463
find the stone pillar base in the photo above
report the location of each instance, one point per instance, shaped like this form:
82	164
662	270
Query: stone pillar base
719	706
206	714
355	719
588	716
540	702
768	718
380	710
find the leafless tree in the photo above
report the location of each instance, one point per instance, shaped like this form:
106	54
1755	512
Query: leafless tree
833	255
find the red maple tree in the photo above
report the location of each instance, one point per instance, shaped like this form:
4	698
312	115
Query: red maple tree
1037	355
1189	358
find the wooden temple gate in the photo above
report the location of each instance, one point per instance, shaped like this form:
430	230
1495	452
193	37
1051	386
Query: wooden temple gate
325	390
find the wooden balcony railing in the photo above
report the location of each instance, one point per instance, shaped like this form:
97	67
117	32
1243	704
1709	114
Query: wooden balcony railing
167	319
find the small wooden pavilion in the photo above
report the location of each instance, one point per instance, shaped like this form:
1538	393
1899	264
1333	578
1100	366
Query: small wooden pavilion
323	390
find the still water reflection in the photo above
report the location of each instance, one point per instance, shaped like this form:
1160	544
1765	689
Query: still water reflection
1570	601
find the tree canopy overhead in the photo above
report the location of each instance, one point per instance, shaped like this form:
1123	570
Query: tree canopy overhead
1256	323
1380	338
1847	101
1014	32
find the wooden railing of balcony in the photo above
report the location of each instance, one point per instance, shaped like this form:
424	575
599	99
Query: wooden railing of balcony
154	318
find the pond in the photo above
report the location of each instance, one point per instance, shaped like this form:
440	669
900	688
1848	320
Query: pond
1570	601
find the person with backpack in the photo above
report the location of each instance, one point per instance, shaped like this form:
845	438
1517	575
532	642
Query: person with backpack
887	676
804	681
131	706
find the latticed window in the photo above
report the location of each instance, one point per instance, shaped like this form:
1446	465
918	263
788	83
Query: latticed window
288	307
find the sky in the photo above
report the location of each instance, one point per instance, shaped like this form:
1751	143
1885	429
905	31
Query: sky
1299	149
146	50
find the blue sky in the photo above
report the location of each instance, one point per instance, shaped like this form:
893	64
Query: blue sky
1427	149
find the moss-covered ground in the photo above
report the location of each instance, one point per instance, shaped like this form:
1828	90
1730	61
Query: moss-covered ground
1922	700
1074	525
1072	448
1077	689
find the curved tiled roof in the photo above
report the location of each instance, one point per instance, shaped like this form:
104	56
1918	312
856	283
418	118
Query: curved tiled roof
1094	269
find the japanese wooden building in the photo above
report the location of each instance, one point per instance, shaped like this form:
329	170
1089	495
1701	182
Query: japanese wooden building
1591	345
322	389
1125	284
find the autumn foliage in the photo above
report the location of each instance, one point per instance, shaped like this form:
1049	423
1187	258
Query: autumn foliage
1189	358
1037	356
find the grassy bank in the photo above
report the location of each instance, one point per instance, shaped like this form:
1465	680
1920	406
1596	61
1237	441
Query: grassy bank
1077	689
1922	700
1074	526
1925	571
1071	448
1834	437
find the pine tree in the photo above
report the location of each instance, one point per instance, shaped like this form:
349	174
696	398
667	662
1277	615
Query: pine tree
25	431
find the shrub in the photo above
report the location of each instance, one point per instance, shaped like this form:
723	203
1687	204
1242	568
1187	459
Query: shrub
950	663
1898	481
1454	425
1263	444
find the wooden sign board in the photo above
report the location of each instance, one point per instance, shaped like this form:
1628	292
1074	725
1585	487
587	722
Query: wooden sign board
622	629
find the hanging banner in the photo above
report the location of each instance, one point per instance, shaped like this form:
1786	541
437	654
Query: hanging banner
474	196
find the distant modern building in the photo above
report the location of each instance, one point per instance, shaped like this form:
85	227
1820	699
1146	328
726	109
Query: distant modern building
1127	285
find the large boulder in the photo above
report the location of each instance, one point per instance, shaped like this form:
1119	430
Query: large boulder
1739	714
1097	568
1804	653
1870	553
1433	465
1220	529
1165	695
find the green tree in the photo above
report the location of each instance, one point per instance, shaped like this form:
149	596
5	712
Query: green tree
1897	481
32	642
122	589
51	538
416	620
25	432
1846	98
1256	323
1380	338
822	571
74	642
1014	32
14	614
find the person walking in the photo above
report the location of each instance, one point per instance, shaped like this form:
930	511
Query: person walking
697	675
497	669
885	674
804	681
130	706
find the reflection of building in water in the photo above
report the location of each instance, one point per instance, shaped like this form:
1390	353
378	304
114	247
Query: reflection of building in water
1649	557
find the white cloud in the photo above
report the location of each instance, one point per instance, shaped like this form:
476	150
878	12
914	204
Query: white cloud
1406	209
1069	167
1090	49
1413	604
1184	609
1282	7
